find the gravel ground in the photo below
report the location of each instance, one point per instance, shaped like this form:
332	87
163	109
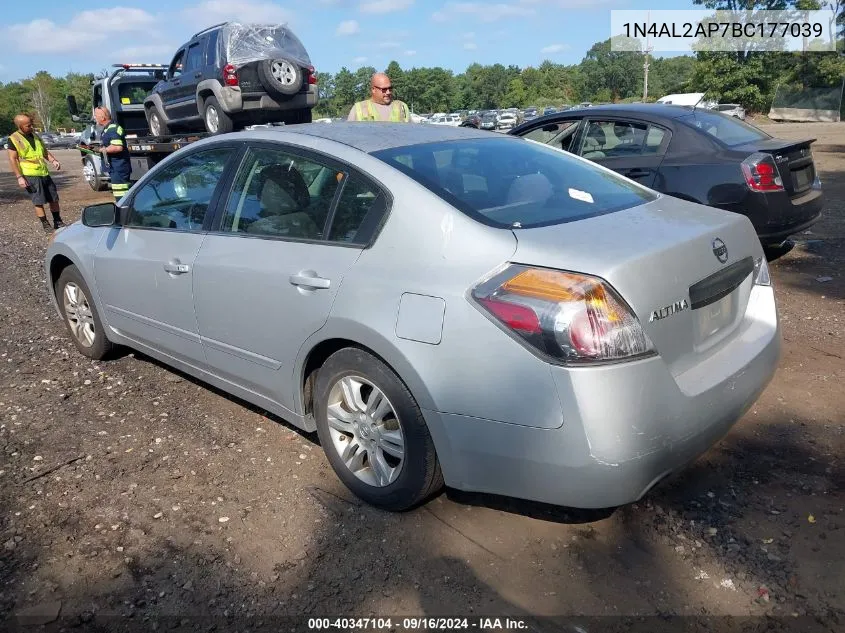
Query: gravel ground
134	497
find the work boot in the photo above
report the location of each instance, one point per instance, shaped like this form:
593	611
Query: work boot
57	224
46	226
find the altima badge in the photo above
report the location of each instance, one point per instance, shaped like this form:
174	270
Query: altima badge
662	313
720	250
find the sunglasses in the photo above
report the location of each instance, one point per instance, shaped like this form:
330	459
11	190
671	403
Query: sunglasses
388	88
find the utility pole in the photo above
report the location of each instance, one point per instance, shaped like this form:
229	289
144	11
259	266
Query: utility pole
648	49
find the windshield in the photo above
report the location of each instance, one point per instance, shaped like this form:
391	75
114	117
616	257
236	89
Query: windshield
729	130
515	183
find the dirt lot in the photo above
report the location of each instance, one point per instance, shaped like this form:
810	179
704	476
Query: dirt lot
134	497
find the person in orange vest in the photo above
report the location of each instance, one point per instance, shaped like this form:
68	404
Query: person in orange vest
381	106
28	157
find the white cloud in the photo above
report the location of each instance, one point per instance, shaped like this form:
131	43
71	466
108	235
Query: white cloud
258	11
406	53
384	6
482	12
389	45
348	27
555	48
359	60
470	46
45	36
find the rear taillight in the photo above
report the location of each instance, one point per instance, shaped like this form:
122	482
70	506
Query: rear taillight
761	173
312	76
230	76
567	317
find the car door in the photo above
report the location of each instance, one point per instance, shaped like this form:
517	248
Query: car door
267	275
144	269
630	147
193	74
172	91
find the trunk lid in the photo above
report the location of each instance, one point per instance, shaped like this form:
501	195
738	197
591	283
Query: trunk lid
793	158
665	260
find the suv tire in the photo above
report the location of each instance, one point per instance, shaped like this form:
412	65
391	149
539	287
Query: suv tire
156	122
216	121
280	77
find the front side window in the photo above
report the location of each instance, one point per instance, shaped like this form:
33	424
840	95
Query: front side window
176	64
513	183
178	196
280	194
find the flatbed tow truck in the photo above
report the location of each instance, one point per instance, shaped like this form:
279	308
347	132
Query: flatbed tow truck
123	92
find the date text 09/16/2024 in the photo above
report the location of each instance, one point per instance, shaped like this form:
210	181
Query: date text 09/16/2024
417	623
724	29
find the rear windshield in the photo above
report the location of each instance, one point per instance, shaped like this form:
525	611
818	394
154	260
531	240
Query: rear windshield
729	130
134	93
515	183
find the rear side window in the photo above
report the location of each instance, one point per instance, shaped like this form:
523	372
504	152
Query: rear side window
727	129
211	49
515	183
195	56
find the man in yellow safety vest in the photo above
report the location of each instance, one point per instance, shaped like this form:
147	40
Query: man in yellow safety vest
28	157
381	106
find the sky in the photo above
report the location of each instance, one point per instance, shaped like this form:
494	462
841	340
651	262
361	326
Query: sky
59	36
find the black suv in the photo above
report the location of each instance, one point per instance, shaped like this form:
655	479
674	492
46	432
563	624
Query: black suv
231	75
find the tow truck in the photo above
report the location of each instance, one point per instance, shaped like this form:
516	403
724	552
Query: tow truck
123	92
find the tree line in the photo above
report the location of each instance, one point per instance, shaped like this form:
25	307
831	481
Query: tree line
603	75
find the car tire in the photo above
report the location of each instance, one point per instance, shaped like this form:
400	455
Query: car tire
92	176
156	122
80	315
280	77
405	481
216	121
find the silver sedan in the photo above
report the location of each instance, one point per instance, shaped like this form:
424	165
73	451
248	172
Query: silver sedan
439	304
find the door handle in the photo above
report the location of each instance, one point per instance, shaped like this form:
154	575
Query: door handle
637	173
311	280
177	269
198	74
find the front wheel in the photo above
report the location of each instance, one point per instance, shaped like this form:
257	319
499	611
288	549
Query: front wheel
81	317
156	123
92	175
373	432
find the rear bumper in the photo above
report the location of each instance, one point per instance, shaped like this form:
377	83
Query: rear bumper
776	216
233	101
625	427
789	216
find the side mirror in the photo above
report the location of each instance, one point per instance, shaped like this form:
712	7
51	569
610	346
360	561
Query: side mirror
104	214
71	105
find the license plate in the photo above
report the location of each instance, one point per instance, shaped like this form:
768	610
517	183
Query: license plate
709	320
801	178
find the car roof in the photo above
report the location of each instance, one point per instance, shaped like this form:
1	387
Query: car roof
645	109
367	136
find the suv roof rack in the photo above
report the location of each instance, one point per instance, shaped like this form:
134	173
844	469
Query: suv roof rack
210	28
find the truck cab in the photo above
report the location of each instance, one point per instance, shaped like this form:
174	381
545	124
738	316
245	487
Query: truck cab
123	92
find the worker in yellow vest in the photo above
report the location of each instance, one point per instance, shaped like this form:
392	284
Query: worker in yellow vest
28	157
381	106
